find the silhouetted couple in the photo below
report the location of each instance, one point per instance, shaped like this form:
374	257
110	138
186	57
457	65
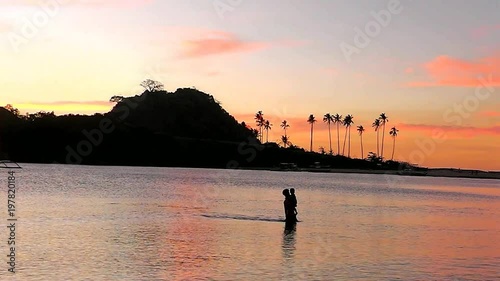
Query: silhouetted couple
290	204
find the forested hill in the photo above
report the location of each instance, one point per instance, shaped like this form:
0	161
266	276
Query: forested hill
183	128
185	113
186	128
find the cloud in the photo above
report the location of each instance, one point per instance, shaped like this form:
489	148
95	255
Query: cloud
103	103
409	70
489	113
218	43
453	72
460	131
66	106
485	30
212	73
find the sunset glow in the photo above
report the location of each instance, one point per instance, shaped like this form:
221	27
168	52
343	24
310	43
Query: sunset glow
435	71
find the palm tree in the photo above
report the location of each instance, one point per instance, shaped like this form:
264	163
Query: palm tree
347	122
337	119
285	140
329	119
361	130
394	133
284	125
383	119
376	125
267	127
259	119
311	120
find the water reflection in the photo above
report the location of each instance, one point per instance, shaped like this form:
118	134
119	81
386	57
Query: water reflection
120	223
288	245
288	252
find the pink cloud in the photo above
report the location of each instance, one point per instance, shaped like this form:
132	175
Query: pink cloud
485	30
409	70
66	106
65	103
448	71
77	102
465	131
203	42
212	73
489	113
218	43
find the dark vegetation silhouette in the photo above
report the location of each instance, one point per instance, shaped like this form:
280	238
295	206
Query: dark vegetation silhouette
185	128
328	118
361	130
394	133
376	126
347	122
285	140
311	120
383	120
337	119
259	120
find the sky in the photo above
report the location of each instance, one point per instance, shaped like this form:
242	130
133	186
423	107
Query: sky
432	66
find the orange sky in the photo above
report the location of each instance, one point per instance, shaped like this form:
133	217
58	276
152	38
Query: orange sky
427	71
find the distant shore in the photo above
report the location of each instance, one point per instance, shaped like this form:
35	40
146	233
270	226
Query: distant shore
451	173
429	172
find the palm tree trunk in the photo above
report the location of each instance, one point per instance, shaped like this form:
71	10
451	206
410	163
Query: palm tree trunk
267	135
362	154
345	138
311	147
382	150
285	137
349	150
330	136
338	140
393	148
378	146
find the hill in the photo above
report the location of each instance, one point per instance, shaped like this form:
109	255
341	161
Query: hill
186	128
185	113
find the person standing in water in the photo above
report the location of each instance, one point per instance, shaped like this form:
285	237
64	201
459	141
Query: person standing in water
293	201
288	203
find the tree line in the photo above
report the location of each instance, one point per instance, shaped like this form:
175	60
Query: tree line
346	121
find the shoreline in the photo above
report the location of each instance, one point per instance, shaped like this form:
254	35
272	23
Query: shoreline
445	173
430	172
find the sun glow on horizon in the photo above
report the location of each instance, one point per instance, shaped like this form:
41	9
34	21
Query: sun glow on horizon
285	60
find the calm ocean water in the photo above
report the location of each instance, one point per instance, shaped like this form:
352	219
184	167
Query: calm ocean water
137	223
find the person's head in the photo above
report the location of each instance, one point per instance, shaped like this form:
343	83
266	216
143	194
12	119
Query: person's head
292	191
286	192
